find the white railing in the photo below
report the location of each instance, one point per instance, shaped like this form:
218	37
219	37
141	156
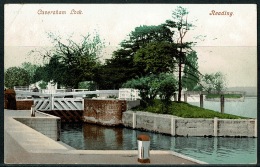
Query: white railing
129	94
58	101
22	88
59	104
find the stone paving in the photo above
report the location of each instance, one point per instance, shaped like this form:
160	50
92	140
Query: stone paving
24	145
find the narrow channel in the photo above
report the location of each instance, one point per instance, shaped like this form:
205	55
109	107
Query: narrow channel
83	136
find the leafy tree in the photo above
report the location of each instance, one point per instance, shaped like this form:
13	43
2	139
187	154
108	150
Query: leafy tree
16	76
40	74
90	85
214	82
166	90
116	70
156	57
30	68
122	62
71	62
181	25
150	86
191	76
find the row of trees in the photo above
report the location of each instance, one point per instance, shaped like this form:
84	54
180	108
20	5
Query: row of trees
149	59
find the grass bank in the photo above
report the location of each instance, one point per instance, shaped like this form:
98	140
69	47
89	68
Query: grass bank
231	96
185	110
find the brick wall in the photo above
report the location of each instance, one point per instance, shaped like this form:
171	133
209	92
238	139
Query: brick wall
24	104
104	112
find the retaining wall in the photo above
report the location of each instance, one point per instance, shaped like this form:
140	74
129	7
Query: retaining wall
104	112
177	126
24	104
49	126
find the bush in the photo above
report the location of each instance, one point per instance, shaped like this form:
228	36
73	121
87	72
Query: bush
150	86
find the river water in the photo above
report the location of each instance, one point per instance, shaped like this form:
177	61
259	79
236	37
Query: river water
247	108
211	150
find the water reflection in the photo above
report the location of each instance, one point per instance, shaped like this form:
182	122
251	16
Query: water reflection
211	150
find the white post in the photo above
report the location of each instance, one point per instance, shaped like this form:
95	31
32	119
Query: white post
134	120
215	126
173	127
33	111
52	102
83	104
255	127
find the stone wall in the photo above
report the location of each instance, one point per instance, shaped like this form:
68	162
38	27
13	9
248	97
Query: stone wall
177	126
24	104
104	112
49	126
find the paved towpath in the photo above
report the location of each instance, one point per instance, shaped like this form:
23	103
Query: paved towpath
24	145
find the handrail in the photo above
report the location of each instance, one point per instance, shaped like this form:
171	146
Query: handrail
19	92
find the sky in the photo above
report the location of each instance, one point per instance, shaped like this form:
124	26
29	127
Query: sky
229	45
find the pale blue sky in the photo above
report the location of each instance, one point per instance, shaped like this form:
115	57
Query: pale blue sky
230	45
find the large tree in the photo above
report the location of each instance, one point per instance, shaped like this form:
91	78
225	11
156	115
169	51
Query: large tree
180	24
191	77
16	76
122	66
71	62
31	69
156	57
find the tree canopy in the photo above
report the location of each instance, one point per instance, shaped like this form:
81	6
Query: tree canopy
215	82
71	62
16	76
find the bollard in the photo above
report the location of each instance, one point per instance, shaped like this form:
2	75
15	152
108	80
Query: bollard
143	149
33	111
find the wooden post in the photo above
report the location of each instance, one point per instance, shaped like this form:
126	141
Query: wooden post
201	100
222	100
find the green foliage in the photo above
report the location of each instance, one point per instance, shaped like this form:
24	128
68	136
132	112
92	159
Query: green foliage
71	62
31	69
185	110
180	24
156	57
214	82
40	74
122	67
90	85
150	86
43	84
191	76
16	76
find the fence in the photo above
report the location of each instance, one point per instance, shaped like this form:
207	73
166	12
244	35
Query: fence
59	101
129	94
